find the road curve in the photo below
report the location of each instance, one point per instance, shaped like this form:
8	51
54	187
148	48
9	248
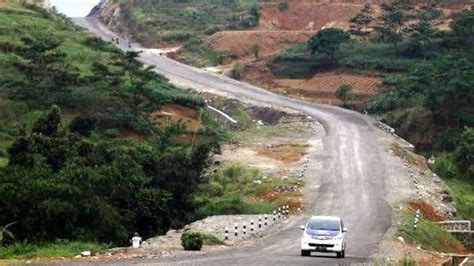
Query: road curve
351	183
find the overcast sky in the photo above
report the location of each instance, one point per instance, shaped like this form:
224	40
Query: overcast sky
74	8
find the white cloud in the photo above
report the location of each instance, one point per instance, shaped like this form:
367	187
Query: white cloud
74	8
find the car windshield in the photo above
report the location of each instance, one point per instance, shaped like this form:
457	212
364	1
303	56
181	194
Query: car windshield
329	225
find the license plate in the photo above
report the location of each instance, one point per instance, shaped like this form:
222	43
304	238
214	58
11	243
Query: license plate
321	248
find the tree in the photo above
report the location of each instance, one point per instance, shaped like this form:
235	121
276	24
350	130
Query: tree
83	125
463	29
49	123
236	72
464	153
344	93
5	233
423	41
363	18
328	41
256	51
254	15
393	25
46	72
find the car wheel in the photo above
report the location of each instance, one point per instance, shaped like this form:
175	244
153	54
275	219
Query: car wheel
339	254
305	253
343	254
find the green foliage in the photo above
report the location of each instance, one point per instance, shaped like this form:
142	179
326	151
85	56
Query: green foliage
78	72
192	240
83	125
423	42
445	167
60	185
428	13
462	190
327	41
236	72
197	53
255	49
148	21
363	18
463	33
231	190
211	240
344	93
394	23
56	249
6	234
429	235
464	152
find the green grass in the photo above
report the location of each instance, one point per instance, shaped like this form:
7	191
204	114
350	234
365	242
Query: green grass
231	190
198	54
211	240
429	235
297	61
148	20
66	249
462	190
254	132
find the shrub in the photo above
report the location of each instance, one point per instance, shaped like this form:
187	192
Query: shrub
176	36
192	240
444	167
236	72
112	133
344	93
83	125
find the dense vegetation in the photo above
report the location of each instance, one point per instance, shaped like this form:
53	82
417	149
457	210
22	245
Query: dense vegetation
66	171
186	22
428	90
179	21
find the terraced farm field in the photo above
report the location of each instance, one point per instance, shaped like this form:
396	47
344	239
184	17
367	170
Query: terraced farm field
322	87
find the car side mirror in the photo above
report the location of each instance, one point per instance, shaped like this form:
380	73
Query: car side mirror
344	229
302	227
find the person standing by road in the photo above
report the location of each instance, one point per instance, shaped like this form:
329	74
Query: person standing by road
136	240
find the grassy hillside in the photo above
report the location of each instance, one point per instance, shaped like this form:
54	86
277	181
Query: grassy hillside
84	76
152	22
82	155
164	23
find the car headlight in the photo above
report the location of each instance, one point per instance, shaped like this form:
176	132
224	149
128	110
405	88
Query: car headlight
338	237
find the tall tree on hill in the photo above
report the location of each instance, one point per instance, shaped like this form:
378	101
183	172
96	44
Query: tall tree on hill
328	41
422	43
393	25
363	18
46	73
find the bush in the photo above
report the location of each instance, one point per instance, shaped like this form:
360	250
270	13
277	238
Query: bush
192	240
236	72
176	36
112	133
444	167
83	125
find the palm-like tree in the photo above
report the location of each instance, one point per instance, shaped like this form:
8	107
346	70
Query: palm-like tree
4	232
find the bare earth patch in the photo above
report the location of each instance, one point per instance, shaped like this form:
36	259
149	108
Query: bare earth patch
270	42
285	152
172	114
322	86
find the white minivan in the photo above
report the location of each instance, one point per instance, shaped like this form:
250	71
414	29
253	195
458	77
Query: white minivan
324	234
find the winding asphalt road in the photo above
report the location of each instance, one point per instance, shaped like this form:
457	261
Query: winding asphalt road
351	183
